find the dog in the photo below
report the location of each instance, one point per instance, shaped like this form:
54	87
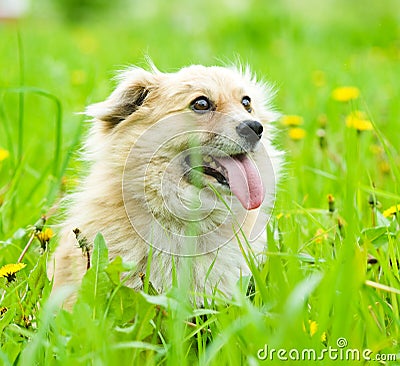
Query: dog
181	167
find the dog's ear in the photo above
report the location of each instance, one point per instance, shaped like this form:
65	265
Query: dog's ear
133	88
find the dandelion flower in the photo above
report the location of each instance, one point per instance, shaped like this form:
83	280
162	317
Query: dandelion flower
318	78
376	149
320	236
384	167
313	327
4	154
87	43
9	270
345	93
358	121
391	211
331	203
78	77
44	237
322	120
292	120
297	133
363	125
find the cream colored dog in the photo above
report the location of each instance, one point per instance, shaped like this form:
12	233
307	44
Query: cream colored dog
182	164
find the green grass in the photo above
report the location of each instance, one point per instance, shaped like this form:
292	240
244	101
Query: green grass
316	285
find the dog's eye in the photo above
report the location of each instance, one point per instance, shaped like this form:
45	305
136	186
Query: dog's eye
201	104
246	102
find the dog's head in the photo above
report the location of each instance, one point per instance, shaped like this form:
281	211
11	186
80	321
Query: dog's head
188	130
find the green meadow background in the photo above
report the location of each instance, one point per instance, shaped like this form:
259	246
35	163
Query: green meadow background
332	267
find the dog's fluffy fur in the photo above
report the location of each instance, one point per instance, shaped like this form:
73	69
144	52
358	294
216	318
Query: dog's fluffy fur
132	212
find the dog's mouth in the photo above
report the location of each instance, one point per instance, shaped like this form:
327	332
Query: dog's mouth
238	173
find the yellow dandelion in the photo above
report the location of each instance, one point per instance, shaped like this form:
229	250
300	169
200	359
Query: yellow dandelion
279	216
44	237
313	327
320	236
324	337
363	125
297	133
322	120
345	93
318	78
292	120
4	154
358	120
391	211
8	271
87	42
376	149
384	167
78	77
331	203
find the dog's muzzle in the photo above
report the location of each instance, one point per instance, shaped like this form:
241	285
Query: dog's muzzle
238	173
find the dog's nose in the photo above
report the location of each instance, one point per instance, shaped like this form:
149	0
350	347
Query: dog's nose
250	130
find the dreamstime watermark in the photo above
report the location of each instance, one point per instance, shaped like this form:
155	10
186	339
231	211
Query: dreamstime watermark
339	353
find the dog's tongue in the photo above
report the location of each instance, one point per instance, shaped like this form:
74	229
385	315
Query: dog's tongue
244	180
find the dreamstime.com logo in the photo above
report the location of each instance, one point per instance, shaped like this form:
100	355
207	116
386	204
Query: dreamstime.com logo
341	353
